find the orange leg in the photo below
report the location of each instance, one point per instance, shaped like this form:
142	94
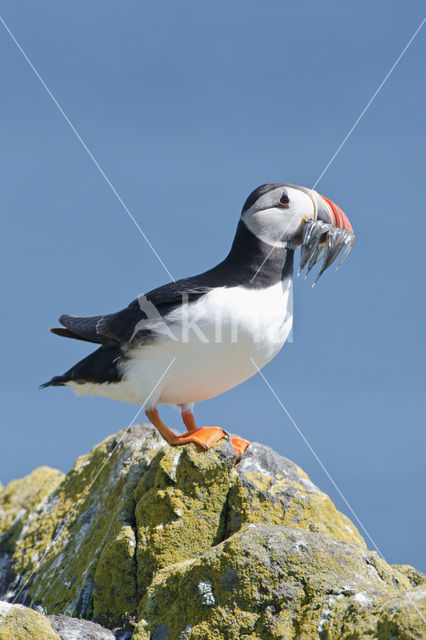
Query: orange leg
189	421
206	437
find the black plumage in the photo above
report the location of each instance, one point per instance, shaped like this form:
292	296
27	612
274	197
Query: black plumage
99	367
250	264
235	270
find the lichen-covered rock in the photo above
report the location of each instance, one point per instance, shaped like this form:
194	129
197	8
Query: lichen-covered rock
184	544
90	570
273	582
399	617
20	623
270	489
181	505
18	502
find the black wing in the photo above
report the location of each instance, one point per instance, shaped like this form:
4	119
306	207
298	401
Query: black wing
157	304
123	326
79	328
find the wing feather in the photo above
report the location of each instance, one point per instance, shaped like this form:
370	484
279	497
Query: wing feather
83	327
122	327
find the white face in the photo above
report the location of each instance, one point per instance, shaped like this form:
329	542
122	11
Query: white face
276	225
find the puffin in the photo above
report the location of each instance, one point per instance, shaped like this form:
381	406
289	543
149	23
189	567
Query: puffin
197	337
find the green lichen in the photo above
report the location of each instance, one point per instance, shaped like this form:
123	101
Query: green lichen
400	617
185	544
180	506
22	497
115	587
264	582
288	502
20	623
415	577
90	569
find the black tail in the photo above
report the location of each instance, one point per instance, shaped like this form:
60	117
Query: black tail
56	381
66	333
101	366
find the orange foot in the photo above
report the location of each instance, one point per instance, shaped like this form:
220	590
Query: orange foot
208	436
240	445
204	436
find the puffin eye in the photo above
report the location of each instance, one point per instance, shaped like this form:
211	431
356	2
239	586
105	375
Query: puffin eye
284	201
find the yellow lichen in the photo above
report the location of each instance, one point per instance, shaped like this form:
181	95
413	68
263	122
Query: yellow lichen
20	497
189	546
20	623
179	508
261	481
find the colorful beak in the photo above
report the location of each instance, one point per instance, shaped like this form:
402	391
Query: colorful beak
325	236
329	212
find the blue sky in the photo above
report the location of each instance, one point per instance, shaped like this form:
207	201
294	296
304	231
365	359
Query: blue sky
187	107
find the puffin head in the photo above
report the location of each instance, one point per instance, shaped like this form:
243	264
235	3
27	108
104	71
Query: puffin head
291	216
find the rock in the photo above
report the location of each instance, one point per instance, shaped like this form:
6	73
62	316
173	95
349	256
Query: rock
273	582
181	506
90	570
171	543
72	629
19	501
272	489
20	623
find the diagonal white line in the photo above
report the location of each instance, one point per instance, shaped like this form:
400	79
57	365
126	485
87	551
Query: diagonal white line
49	547
368	103
317	458
86	148
314	454
351	129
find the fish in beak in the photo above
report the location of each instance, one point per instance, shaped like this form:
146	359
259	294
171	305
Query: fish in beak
325	235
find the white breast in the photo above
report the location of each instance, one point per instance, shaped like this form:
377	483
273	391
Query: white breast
210	344
216	337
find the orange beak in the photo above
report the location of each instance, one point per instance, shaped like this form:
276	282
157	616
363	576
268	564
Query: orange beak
332	214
